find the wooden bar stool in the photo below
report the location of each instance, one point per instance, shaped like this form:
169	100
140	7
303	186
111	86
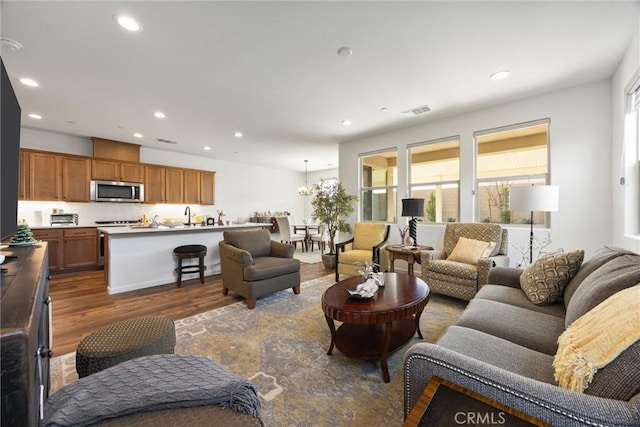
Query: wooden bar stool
190	251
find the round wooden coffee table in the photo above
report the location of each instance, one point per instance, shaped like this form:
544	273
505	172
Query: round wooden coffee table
375	327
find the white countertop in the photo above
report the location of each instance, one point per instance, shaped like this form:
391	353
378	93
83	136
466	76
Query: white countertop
181	228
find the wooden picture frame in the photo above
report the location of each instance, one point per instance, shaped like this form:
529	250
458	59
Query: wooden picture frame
434	408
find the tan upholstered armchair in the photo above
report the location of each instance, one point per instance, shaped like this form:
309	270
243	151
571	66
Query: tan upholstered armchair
366	245
462	267
253	265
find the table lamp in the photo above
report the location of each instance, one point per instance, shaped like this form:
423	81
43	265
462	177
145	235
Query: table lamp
534	198
413	208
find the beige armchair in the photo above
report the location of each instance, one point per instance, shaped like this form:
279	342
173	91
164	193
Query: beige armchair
253	265
366	245
462	267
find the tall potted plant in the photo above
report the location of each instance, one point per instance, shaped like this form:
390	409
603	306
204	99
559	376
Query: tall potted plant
331	205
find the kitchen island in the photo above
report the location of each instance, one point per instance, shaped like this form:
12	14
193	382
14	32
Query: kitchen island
142	257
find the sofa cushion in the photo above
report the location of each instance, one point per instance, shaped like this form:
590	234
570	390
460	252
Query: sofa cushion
256	242
620	379
468	251
499	352
597	338
515	296
537	331
591	264
544	281
268	267
454	269
619	273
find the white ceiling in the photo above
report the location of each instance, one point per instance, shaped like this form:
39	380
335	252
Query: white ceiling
271	70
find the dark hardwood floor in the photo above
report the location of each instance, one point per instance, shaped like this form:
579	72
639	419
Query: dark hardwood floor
81	303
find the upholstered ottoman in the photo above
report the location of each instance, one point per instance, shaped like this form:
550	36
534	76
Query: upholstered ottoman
125	340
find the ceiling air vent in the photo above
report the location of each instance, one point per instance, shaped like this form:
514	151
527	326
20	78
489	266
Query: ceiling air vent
166	141
418	110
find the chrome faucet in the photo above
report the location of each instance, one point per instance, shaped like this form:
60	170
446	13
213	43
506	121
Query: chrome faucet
187	212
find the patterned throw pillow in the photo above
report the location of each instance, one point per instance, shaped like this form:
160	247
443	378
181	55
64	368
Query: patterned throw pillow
469	250
544	281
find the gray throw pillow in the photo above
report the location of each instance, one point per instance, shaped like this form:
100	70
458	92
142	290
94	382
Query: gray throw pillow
544	281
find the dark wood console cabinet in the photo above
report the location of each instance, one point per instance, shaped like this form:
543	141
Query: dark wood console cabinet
25	334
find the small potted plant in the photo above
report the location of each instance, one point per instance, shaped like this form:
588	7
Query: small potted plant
331	205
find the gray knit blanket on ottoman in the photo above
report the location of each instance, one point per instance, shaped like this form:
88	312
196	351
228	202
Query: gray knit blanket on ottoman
150	383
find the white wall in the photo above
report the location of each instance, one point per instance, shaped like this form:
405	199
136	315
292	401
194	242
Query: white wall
241	189
624	198
580	162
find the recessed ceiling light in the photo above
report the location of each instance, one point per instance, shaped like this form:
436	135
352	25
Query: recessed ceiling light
138	135
128	23
206	148
383	109
35	116
499	75
237	134
159	115
347	122
29	82
345	51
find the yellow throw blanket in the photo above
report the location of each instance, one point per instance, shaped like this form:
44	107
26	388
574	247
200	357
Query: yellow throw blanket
596	338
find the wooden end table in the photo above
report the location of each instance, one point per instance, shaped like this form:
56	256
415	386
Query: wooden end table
375	327
410	255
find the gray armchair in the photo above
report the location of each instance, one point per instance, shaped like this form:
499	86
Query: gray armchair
253	265
460	279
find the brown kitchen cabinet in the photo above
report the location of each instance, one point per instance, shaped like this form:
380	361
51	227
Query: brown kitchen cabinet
174	182
154	184
53	237
108	170
23	189
70	248
75	178
44	176
199	187
51	176
80	247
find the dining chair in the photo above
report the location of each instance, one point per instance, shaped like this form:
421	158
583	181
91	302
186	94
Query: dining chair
319	237
286	234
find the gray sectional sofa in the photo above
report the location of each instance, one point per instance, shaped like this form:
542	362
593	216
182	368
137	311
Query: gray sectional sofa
503	347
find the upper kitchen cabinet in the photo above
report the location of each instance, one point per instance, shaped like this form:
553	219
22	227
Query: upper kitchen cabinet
108	170
51	176
199	187
23	189
174	182
43	176
154	184
75	178
207	188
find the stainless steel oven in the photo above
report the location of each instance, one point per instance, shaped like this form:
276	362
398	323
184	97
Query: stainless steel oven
102	236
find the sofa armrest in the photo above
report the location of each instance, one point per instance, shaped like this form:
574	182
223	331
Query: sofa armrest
282	250
546	402
506	276
237	255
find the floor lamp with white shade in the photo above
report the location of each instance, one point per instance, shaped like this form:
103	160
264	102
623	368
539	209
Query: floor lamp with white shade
534	198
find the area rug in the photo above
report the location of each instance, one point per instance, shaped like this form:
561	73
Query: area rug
310	257
282	346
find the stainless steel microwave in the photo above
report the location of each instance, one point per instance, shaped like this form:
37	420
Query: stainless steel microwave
113	191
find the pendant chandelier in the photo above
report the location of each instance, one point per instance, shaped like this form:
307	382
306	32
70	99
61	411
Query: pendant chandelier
305	190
